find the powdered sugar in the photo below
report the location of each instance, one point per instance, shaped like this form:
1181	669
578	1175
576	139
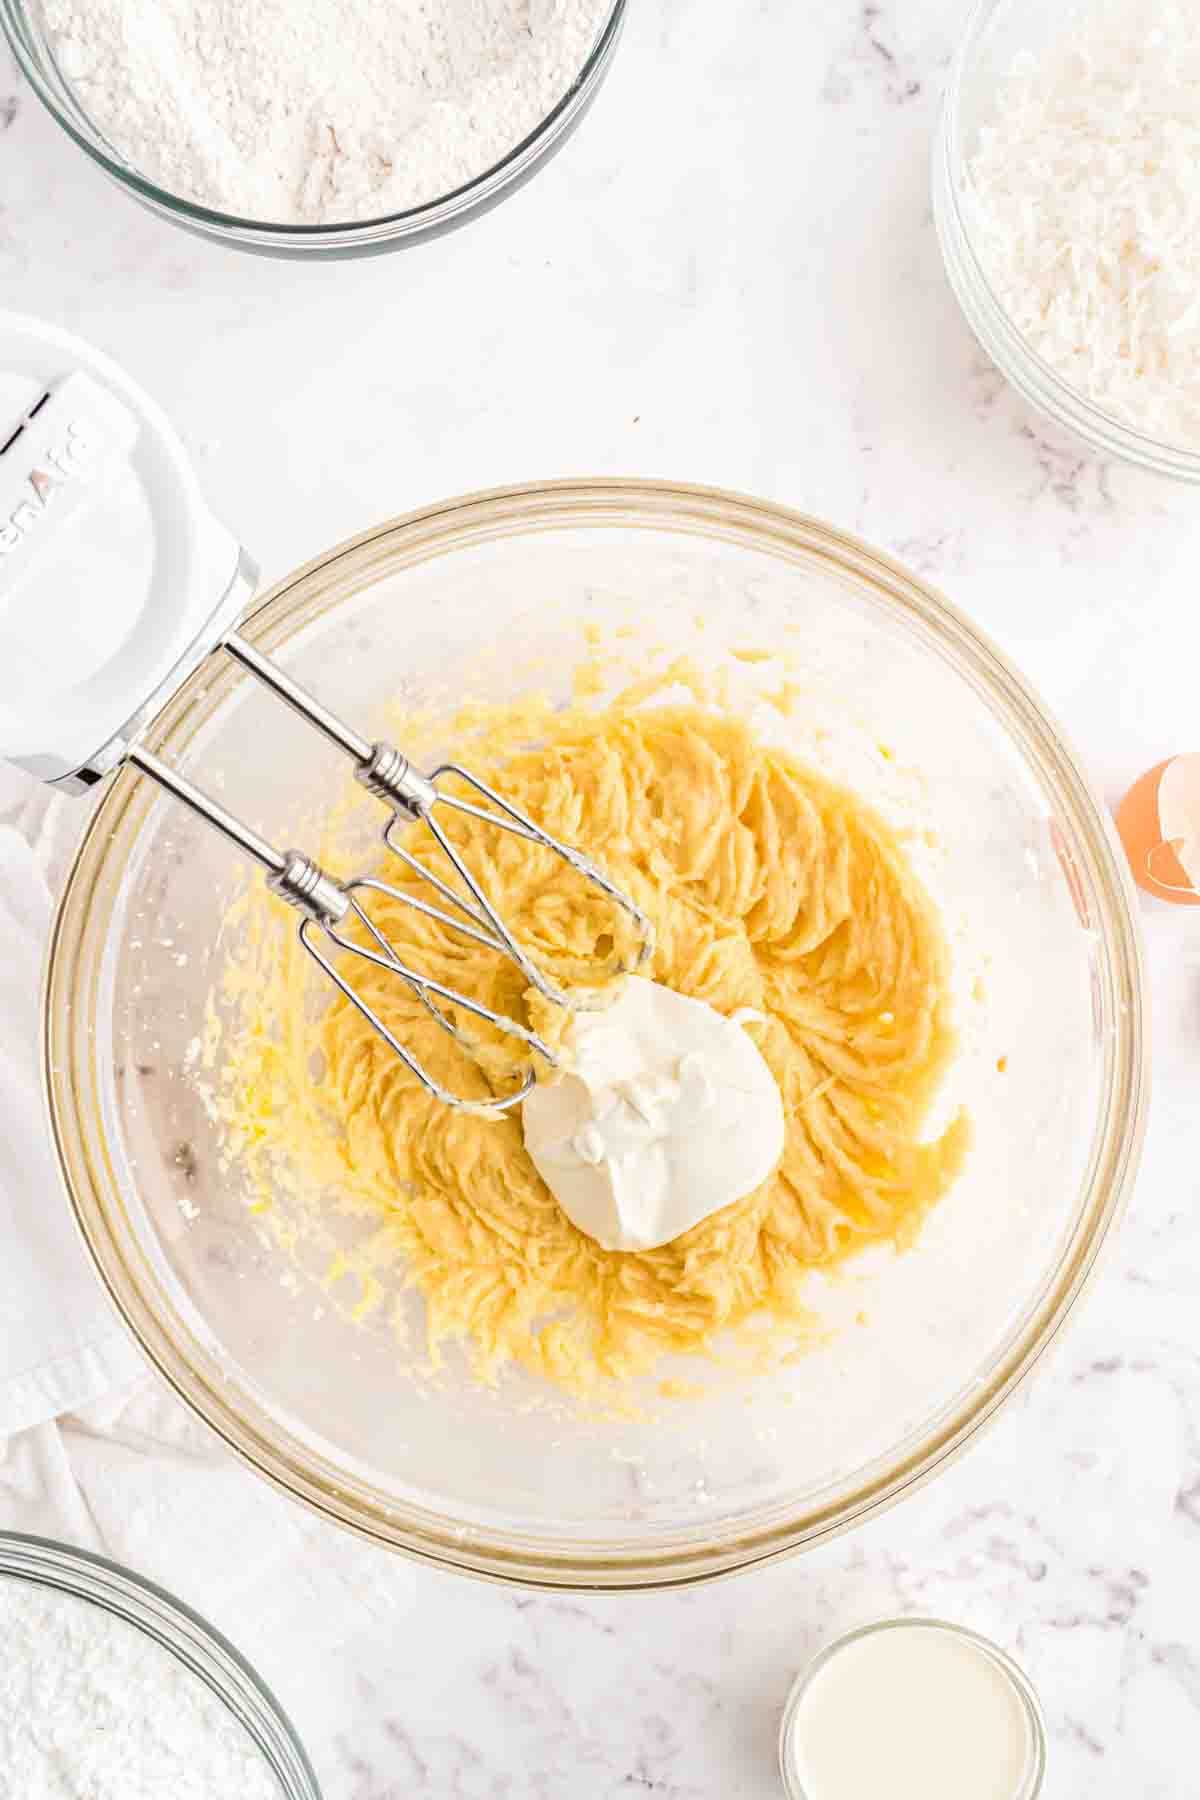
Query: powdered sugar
91	1708
319	111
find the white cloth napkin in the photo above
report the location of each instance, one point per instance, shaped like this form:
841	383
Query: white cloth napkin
60	1342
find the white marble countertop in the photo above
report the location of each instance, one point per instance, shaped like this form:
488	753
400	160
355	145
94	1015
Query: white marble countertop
729	275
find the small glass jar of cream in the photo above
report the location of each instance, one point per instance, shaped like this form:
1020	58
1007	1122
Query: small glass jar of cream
916	1709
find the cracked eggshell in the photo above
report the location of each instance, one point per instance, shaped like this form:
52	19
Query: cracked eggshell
1159	825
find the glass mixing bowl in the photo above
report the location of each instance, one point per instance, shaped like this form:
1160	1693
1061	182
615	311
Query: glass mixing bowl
997	32
23	23
489	597
189	1638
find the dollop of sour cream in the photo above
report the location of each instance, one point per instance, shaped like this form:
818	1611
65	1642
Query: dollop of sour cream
667	1112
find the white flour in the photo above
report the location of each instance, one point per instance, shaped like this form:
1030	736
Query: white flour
319	111
93	1709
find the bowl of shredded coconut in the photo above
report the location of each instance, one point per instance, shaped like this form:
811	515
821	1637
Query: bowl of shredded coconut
1067	203
113	1689
339	127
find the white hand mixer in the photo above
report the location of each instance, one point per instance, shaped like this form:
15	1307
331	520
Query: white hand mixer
115	584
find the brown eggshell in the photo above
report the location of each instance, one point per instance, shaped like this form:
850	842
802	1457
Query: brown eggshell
1156	868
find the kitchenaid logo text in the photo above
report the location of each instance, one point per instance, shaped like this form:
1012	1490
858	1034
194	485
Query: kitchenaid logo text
52	471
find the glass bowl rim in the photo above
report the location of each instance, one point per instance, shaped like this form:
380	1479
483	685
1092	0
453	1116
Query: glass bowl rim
1036	380
683	1556
1023	1687
122	1592
413	222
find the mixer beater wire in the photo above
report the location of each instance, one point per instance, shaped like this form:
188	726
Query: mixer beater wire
330	908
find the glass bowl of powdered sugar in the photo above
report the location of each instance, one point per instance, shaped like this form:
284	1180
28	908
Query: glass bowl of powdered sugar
335	128
111	1687
1067	197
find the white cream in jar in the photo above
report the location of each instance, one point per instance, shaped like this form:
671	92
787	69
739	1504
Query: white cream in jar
913	1709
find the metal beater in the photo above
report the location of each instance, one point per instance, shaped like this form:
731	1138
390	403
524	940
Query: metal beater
83	452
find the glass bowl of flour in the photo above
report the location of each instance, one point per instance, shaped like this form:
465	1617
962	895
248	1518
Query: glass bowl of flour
107	1678
339	128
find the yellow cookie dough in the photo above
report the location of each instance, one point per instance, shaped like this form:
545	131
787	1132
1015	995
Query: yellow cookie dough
769	888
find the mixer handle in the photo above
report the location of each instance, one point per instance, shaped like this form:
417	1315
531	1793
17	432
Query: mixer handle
116	580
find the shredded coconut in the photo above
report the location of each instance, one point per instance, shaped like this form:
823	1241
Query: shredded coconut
1086	208
91	1708
319	111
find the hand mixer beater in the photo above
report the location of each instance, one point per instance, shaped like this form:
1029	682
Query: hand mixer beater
84	454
